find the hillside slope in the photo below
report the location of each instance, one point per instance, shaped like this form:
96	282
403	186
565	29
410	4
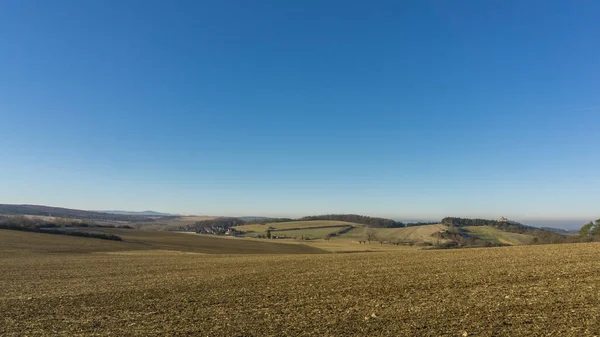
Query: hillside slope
23	242
496	235
310	228
415	234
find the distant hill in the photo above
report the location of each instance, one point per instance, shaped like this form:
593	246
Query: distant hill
539	235
355	218
148	213
253	218
59	212
560	230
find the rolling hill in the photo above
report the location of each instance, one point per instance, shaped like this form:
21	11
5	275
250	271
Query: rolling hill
60	212
309	228
135	240
414	234
496	235
146	213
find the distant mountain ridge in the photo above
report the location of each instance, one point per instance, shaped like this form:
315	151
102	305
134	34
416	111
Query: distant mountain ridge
251	218
148	213
560	230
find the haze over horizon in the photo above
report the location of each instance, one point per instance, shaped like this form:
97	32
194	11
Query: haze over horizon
408	111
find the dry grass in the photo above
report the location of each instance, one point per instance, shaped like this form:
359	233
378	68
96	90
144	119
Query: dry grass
351	246
424	233
547	290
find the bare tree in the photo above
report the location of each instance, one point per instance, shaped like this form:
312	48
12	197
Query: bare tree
371	235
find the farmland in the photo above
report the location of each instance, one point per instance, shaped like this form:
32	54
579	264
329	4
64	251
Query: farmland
134	240
115	290
424	233
496	235
320	229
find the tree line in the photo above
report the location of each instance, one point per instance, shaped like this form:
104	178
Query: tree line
355	218
507	226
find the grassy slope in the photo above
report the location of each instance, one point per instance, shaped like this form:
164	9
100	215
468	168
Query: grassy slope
424	233
496	235
507	291
144	240
407	234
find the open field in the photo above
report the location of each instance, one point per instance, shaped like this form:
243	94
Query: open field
351	246
191	219
319	233
19	242
424	233
174	223
496	235
504	291
332	246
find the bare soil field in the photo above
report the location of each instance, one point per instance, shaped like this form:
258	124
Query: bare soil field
16	242
550	290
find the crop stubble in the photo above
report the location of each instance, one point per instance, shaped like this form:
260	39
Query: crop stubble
529	290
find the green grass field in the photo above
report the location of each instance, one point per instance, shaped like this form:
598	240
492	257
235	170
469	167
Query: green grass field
495	235
547	290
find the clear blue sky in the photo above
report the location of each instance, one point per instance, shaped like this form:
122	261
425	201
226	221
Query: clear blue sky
401	109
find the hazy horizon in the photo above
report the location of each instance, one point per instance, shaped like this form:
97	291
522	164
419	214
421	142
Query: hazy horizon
564	223
401	110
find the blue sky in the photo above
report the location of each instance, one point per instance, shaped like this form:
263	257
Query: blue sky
418	109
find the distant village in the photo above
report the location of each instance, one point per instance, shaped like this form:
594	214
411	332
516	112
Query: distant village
211	229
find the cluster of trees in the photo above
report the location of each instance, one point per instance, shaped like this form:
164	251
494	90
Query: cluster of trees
412	224
355	218
220	222
21	223
591	229
218	226
507	226
267	220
